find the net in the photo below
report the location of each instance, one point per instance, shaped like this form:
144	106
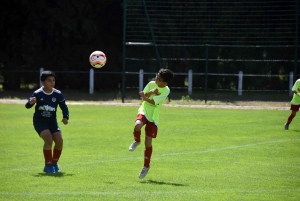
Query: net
214	39
192	22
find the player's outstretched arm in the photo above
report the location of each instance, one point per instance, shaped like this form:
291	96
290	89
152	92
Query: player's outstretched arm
31	101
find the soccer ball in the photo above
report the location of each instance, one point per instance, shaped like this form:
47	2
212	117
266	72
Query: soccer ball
97	59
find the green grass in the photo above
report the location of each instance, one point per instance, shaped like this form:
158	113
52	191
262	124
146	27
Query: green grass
199	154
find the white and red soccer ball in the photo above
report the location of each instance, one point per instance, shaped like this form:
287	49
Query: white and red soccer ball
97	59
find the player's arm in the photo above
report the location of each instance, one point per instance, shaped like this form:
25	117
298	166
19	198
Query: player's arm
65	110
145	98
153	91
296	87
31	101
295	92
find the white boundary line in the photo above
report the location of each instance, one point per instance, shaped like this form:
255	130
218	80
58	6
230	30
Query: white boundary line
230	147
166	192
152	192
164	155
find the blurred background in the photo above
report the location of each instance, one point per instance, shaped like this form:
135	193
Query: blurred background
217	49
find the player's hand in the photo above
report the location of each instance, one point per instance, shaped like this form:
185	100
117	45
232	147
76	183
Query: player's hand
154	91
142	94
65	121
32	100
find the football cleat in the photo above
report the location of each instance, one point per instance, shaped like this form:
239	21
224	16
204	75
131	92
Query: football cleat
144	172
49	169
286	127
133	146
55	167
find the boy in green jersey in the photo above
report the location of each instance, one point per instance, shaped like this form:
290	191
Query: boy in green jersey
153	96
295	103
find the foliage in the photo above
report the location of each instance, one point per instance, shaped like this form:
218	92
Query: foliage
186	98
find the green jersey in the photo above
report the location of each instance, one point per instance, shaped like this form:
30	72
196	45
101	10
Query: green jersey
150	111
296	98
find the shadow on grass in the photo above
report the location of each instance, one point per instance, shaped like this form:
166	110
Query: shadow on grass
161	183
59	174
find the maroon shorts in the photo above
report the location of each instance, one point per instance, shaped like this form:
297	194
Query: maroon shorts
150	129
295	108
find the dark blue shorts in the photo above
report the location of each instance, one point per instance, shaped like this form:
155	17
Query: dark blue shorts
43	123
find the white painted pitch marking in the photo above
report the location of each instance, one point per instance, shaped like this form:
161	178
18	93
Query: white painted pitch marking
164	155
230	147
151	192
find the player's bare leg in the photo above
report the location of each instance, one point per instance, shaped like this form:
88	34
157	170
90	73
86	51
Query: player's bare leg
47	150
289	120
137	135
147	157
58	146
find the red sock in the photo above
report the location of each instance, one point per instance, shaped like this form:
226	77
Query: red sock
147	156
137	135
48	157
291	117
56	155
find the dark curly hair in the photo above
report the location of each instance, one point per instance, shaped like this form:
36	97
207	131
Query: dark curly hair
46	74
166	74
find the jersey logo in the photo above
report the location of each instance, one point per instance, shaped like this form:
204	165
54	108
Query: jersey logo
53	99
47	108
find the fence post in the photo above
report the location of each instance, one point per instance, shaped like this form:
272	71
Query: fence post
141	80
91	81
190	82
41	70
291	84
240	84
206	71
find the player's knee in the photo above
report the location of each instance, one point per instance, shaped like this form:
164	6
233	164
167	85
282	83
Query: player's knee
138	125
46	136
48	142
58	140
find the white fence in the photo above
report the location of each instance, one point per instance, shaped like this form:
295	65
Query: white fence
190	80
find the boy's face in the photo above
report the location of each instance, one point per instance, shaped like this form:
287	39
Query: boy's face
159	81
49	83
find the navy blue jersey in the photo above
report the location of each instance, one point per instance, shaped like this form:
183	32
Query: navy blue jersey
46	103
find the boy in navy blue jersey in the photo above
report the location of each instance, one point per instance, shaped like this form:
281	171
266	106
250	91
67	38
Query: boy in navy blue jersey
47	98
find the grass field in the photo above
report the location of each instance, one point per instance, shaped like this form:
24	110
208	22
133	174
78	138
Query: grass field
199	154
